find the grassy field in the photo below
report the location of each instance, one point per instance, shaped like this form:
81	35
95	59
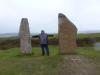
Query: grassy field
12	62
88	51
82	41
92	35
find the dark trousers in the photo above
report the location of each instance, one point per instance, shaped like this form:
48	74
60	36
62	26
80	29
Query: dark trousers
45	49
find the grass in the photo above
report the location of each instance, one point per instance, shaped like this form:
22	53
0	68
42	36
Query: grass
88	51
91	35
82	40
12	62
36	52
29	66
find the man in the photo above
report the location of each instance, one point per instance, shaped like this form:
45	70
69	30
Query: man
44	43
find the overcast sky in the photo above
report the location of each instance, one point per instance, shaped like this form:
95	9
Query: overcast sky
43	14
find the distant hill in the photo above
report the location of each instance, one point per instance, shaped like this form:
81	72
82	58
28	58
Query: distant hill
36	34
8	34
16	34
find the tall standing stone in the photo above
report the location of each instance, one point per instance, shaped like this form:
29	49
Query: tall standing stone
67	35
25	38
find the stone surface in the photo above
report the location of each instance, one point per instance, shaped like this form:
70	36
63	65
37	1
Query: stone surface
67	35
25	38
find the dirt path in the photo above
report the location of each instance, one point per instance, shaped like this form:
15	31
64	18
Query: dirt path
78	65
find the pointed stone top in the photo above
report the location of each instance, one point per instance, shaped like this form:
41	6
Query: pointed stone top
60	15
64	19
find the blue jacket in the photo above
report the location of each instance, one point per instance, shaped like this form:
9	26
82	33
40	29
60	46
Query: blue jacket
43	38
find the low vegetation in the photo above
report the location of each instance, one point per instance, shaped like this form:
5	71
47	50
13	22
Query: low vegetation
91	35
83	40
12	62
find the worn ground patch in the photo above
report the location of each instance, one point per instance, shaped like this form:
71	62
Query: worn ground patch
79	65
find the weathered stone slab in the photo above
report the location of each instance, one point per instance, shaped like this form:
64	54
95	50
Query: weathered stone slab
25	38
67	35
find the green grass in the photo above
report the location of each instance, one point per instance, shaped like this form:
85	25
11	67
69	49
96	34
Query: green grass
88	51
92	35
12	62
36	52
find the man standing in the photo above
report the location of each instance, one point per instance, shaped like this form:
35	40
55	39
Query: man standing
44	42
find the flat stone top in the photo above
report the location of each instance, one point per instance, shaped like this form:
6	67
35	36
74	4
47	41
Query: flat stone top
24	21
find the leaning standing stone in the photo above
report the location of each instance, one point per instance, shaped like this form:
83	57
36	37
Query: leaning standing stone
67	35
25	38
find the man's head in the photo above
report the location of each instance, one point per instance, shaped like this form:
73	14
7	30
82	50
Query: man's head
42	31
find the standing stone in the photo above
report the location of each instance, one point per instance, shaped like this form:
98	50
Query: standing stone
25	38
67	35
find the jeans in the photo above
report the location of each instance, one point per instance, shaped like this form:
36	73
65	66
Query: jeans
45	49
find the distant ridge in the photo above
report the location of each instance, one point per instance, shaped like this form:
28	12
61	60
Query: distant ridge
89	31
8	34
16	34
